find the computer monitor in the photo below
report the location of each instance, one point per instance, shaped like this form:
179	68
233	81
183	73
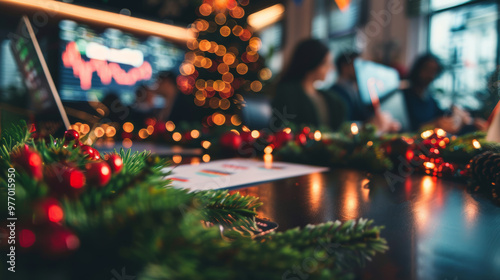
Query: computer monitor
379	86
48	114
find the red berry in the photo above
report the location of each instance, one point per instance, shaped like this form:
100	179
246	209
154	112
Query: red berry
231	140
115	163
47	210
64	180
91	153
98	173
28	160
71	135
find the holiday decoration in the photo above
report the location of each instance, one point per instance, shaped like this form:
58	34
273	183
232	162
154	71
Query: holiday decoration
98	173
28	160
230	141
132	218
115	162
223	62
90	152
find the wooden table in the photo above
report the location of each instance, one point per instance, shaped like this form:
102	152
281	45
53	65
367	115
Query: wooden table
435	229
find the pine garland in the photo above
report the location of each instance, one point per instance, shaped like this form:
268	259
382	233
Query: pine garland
139	223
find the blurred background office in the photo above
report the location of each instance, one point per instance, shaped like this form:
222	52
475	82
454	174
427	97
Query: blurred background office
130	72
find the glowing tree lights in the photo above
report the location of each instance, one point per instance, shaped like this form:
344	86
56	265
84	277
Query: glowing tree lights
223	61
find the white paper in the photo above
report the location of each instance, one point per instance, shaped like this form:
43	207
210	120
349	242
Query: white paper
231	173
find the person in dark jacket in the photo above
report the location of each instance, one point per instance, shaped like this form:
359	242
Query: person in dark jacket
296	97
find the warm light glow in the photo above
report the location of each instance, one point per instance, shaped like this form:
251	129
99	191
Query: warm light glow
266	74
127	143
369	143
219	119
440	132
235	120
110	19
195	161
110	131
266	17
268	150
429	165
268	161
317	135
205	158
256	86
287	130
170	126
128	127
255	134
99	132
150	129
343	4
177	136
177	159
476	144
195	134
426	134
206	144
354	129
143	133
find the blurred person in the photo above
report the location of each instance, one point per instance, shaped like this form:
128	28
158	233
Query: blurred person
178	106
296	95
347	87
423	110
144	104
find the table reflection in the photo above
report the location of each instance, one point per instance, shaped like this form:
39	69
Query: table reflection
435	229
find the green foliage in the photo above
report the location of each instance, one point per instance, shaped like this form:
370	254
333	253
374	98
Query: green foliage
139	222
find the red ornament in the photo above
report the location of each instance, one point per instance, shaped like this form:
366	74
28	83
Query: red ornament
71	135
65	180
246	137
98	173
28	160
230	140
47	210
281	138
91	153
115	163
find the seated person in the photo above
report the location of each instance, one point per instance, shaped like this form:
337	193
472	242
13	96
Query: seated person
296	96
423	110
347	88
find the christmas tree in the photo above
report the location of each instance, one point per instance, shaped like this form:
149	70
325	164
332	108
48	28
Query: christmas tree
223	62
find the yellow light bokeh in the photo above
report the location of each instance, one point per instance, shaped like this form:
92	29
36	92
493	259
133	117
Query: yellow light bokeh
110	131
265	74
205	9
128	127
177	159
268	150
317	135
224	104
127	143
204	45
228	78
256	86
237	30
220	19
225	31
195	134
99	132
206	144
219	119
221	51
143	133
229	58
223	68
150	129
235	120
255	134
176	137
170	126
206	158
242	68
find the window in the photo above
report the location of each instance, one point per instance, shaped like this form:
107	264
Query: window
466	39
